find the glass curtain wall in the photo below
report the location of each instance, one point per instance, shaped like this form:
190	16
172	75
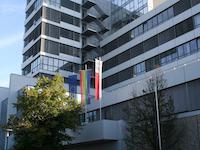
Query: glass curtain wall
125	11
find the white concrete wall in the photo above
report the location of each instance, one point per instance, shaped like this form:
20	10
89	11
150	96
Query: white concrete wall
17	82
4	93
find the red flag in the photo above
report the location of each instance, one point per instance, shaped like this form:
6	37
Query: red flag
98	79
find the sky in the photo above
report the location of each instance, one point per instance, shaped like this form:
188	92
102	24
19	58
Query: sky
12	16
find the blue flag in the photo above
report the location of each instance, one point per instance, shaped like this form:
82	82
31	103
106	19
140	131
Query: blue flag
73	84
89	74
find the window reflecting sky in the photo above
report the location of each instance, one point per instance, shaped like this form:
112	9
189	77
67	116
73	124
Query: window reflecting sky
125	11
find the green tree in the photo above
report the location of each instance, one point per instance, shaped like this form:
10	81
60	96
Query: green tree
142	133
44	114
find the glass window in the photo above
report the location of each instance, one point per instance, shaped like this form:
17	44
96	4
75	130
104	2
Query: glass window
193	46
166	35
155	21
44	67
30	10
150	43
51	30
168	57
160	18
136	50
33	35
112	62
150	24
37	4
145	27
139	68
165	15
125	74
133	34
186	49
71	5
77	7
140	29
69	34
136	32
195	2
152	63
39	61
198	43
56	62
50	68
181	6
92	116
180	51
197	21
184	27
170	12
55	3
50	62
123	57
174	55
52	14
51	47
26	70
70	19
61	63
163	61
45	60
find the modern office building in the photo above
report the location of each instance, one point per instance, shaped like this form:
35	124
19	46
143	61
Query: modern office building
167	40
59	34
135	39
52	39
62	35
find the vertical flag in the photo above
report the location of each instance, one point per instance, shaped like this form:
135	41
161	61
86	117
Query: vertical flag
85	79
98	79
89	74
72	84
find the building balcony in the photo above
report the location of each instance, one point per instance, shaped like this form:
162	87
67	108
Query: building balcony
100	131
88	17
88	31
87	60
89	45
103	17
88	4
104	30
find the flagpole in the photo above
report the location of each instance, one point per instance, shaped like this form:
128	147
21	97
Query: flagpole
158	116
100	109
85	101
100	112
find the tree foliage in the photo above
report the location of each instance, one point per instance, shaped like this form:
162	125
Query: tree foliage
44	114
142	133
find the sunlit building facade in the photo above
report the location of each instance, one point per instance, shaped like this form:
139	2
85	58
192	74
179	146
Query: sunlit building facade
135	39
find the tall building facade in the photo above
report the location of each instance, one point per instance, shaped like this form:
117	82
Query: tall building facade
62	35
52	39
167	40
135	39
164	40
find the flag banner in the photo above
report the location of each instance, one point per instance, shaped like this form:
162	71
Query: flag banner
85	80
72	81
89	76
98	79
